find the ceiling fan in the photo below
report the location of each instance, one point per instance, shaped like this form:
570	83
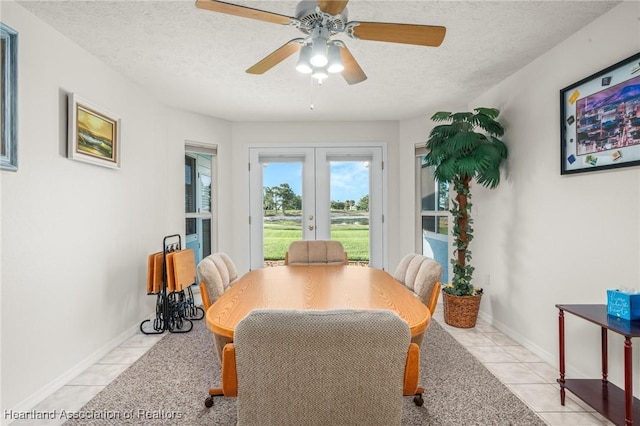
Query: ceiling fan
319	21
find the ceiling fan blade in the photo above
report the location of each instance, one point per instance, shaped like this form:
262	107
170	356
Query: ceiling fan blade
332	7
277	56
352	72
422	35
242	11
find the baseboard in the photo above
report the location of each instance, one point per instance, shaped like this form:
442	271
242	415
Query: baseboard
548	357
47	390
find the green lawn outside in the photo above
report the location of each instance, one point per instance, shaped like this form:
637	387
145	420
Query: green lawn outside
354	238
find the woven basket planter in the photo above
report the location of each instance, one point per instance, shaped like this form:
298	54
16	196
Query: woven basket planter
461	311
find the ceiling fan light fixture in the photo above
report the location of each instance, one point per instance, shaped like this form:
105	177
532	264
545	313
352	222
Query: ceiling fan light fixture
319	52
304	65
320	73
334	64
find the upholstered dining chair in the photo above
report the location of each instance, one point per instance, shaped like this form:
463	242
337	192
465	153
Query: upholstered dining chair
217	272
320	367
421	275
324	252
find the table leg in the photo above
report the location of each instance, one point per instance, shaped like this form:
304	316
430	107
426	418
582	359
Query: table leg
561	346
605	360
628	382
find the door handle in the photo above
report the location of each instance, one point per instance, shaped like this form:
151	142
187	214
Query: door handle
310	227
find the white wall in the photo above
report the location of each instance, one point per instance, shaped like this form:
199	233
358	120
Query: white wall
75	236
542	238
200	129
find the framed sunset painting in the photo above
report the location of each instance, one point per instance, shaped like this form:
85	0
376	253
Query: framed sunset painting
94	133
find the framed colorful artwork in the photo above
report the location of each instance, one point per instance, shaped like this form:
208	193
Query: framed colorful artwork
600	119
94	133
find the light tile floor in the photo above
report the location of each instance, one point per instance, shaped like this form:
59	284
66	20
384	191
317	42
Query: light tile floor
526	375
76	393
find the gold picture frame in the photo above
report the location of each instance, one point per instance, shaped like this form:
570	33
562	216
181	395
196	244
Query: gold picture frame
94	133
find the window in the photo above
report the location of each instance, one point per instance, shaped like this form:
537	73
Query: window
199	199
433	213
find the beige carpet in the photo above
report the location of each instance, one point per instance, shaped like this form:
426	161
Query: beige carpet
168	385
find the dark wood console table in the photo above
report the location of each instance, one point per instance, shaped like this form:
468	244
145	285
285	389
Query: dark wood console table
617	405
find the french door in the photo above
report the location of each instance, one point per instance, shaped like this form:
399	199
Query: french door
316	193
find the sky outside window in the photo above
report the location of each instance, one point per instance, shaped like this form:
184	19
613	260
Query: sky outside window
349	179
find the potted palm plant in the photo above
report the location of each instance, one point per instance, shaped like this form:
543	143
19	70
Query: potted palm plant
464	149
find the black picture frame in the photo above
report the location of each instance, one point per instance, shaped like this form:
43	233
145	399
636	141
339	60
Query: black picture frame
600	119
9	98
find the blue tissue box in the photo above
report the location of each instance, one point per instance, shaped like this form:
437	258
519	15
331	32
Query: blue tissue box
623	305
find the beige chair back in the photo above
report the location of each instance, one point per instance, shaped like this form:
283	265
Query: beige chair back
341	367
316	252
422	275
231	267
216	273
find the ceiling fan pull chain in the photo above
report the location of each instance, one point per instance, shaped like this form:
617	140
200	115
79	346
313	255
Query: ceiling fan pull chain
311	94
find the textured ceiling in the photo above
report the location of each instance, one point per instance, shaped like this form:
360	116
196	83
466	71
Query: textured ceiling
195	60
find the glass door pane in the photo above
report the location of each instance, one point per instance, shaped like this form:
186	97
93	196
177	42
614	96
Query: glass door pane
282	206
282	202
349	194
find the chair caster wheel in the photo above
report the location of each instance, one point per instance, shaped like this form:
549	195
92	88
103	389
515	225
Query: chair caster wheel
208	402
418	400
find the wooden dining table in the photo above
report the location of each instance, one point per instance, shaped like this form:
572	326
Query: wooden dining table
315	287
